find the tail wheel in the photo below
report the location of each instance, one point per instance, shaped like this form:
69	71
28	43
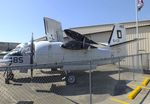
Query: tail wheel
70	78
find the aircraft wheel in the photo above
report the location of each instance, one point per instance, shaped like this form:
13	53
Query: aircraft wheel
11	76
6	81
70	79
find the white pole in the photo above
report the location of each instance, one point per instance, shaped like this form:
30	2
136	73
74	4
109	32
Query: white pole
137	32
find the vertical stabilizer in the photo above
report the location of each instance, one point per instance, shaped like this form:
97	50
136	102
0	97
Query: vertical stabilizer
53	30
118	35
117	41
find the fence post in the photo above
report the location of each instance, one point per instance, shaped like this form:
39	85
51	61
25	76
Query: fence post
133	68
148	61
119	68
90	82
141	62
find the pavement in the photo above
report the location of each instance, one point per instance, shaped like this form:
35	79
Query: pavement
147	98
46	88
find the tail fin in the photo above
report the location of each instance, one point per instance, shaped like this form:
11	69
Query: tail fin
53	30
117	40
117	36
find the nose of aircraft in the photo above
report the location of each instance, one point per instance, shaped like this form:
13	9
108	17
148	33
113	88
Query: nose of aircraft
7	59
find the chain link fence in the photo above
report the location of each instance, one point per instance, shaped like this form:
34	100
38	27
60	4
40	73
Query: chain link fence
92	87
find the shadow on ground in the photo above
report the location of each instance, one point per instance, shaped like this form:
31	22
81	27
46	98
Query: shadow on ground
102	83
25	102
39	79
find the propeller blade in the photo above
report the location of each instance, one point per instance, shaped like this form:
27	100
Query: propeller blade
32	54
32	46
78	37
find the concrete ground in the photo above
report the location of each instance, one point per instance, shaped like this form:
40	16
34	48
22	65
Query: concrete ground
147	100
46	88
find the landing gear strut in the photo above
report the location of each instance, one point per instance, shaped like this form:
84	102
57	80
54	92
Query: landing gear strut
9	76
70	79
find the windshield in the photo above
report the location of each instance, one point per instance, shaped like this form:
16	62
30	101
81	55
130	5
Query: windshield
17	49
15	53
20	50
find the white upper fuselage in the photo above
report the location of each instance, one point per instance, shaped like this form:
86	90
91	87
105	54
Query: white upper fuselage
52	52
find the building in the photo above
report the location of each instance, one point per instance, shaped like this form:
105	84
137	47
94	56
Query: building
7	46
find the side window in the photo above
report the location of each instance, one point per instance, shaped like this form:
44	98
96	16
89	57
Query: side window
119	34
17	54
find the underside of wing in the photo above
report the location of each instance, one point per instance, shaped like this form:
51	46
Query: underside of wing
76	45
79	41
78	37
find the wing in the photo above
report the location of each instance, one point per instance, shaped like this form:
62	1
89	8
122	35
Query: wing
53	30
78	37
79	41
77	45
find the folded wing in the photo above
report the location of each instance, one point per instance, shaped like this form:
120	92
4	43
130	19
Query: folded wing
79	41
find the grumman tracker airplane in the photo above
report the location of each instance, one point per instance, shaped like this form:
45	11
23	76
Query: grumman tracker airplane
79	54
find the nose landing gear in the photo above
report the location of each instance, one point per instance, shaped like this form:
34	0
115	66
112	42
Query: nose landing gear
8	76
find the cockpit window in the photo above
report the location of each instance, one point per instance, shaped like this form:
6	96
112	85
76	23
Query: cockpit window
15	53
17	49
21	49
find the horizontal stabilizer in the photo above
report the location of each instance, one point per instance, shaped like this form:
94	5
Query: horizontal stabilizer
127	42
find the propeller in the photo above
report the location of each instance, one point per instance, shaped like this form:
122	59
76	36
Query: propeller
32	54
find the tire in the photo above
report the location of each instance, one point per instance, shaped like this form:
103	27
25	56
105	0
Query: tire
11	76
70	79
6	81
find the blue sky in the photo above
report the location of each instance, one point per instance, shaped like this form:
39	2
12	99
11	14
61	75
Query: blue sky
19	18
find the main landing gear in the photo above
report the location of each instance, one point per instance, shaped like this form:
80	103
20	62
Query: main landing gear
8	76
70	78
